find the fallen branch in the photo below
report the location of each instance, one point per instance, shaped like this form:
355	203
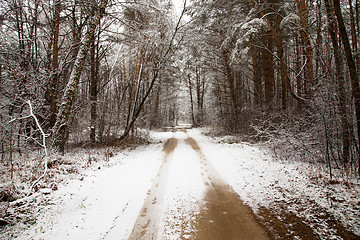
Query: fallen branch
24	200
43	144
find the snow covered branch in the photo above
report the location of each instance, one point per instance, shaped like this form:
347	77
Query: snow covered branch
43	135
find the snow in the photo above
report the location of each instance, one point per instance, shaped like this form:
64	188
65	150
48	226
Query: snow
102	205
253	27
107	203
184	193
261	181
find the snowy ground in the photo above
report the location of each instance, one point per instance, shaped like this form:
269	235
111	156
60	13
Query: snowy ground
301	189
162	193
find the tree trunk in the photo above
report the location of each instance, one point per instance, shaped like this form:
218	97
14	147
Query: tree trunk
268	67
339	72
351	64
55	75
93	90
354	36
301	5
283	71
233	97
62	121
299	87
256	74
199	96
285	81
191	100
202	99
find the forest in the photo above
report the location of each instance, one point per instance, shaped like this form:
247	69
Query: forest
95	73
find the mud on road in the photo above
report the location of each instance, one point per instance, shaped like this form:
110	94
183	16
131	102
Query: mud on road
146	225
222	216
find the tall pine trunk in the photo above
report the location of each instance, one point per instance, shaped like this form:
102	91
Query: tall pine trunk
340	76
233	96
55	76
191	101
301	5
256	74
268	68
351	65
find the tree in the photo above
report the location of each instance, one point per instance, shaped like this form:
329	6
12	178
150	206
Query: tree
62	121
158	65
93	89
301	5
339	72
351	64
53	89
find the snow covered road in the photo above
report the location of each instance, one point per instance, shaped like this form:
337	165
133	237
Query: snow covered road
190	187
189	200
151	194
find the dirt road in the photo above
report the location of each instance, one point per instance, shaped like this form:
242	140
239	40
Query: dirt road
187	186
221	213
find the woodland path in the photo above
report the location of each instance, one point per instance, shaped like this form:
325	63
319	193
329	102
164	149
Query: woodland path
186	186
221	214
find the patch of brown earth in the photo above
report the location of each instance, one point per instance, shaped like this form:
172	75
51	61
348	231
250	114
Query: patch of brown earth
225	217
285	225
146	224
170	145
190	141
341	230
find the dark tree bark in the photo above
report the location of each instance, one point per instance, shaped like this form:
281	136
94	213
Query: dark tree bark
350	62
340	76
301	5
191	100
93	90
285	81
354	36
256	74
231	86
200	88
299	86
268	68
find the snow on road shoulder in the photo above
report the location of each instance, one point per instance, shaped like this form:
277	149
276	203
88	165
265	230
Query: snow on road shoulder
105	204
301	188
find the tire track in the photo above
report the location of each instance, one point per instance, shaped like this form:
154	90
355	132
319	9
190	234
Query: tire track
146	224
224	216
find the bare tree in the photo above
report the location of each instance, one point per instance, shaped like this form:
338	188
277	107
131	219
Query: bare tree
62	121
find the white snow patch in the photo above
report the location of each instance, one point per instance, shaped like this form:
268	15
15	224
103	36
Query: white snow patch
105	204
161	136
184	193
